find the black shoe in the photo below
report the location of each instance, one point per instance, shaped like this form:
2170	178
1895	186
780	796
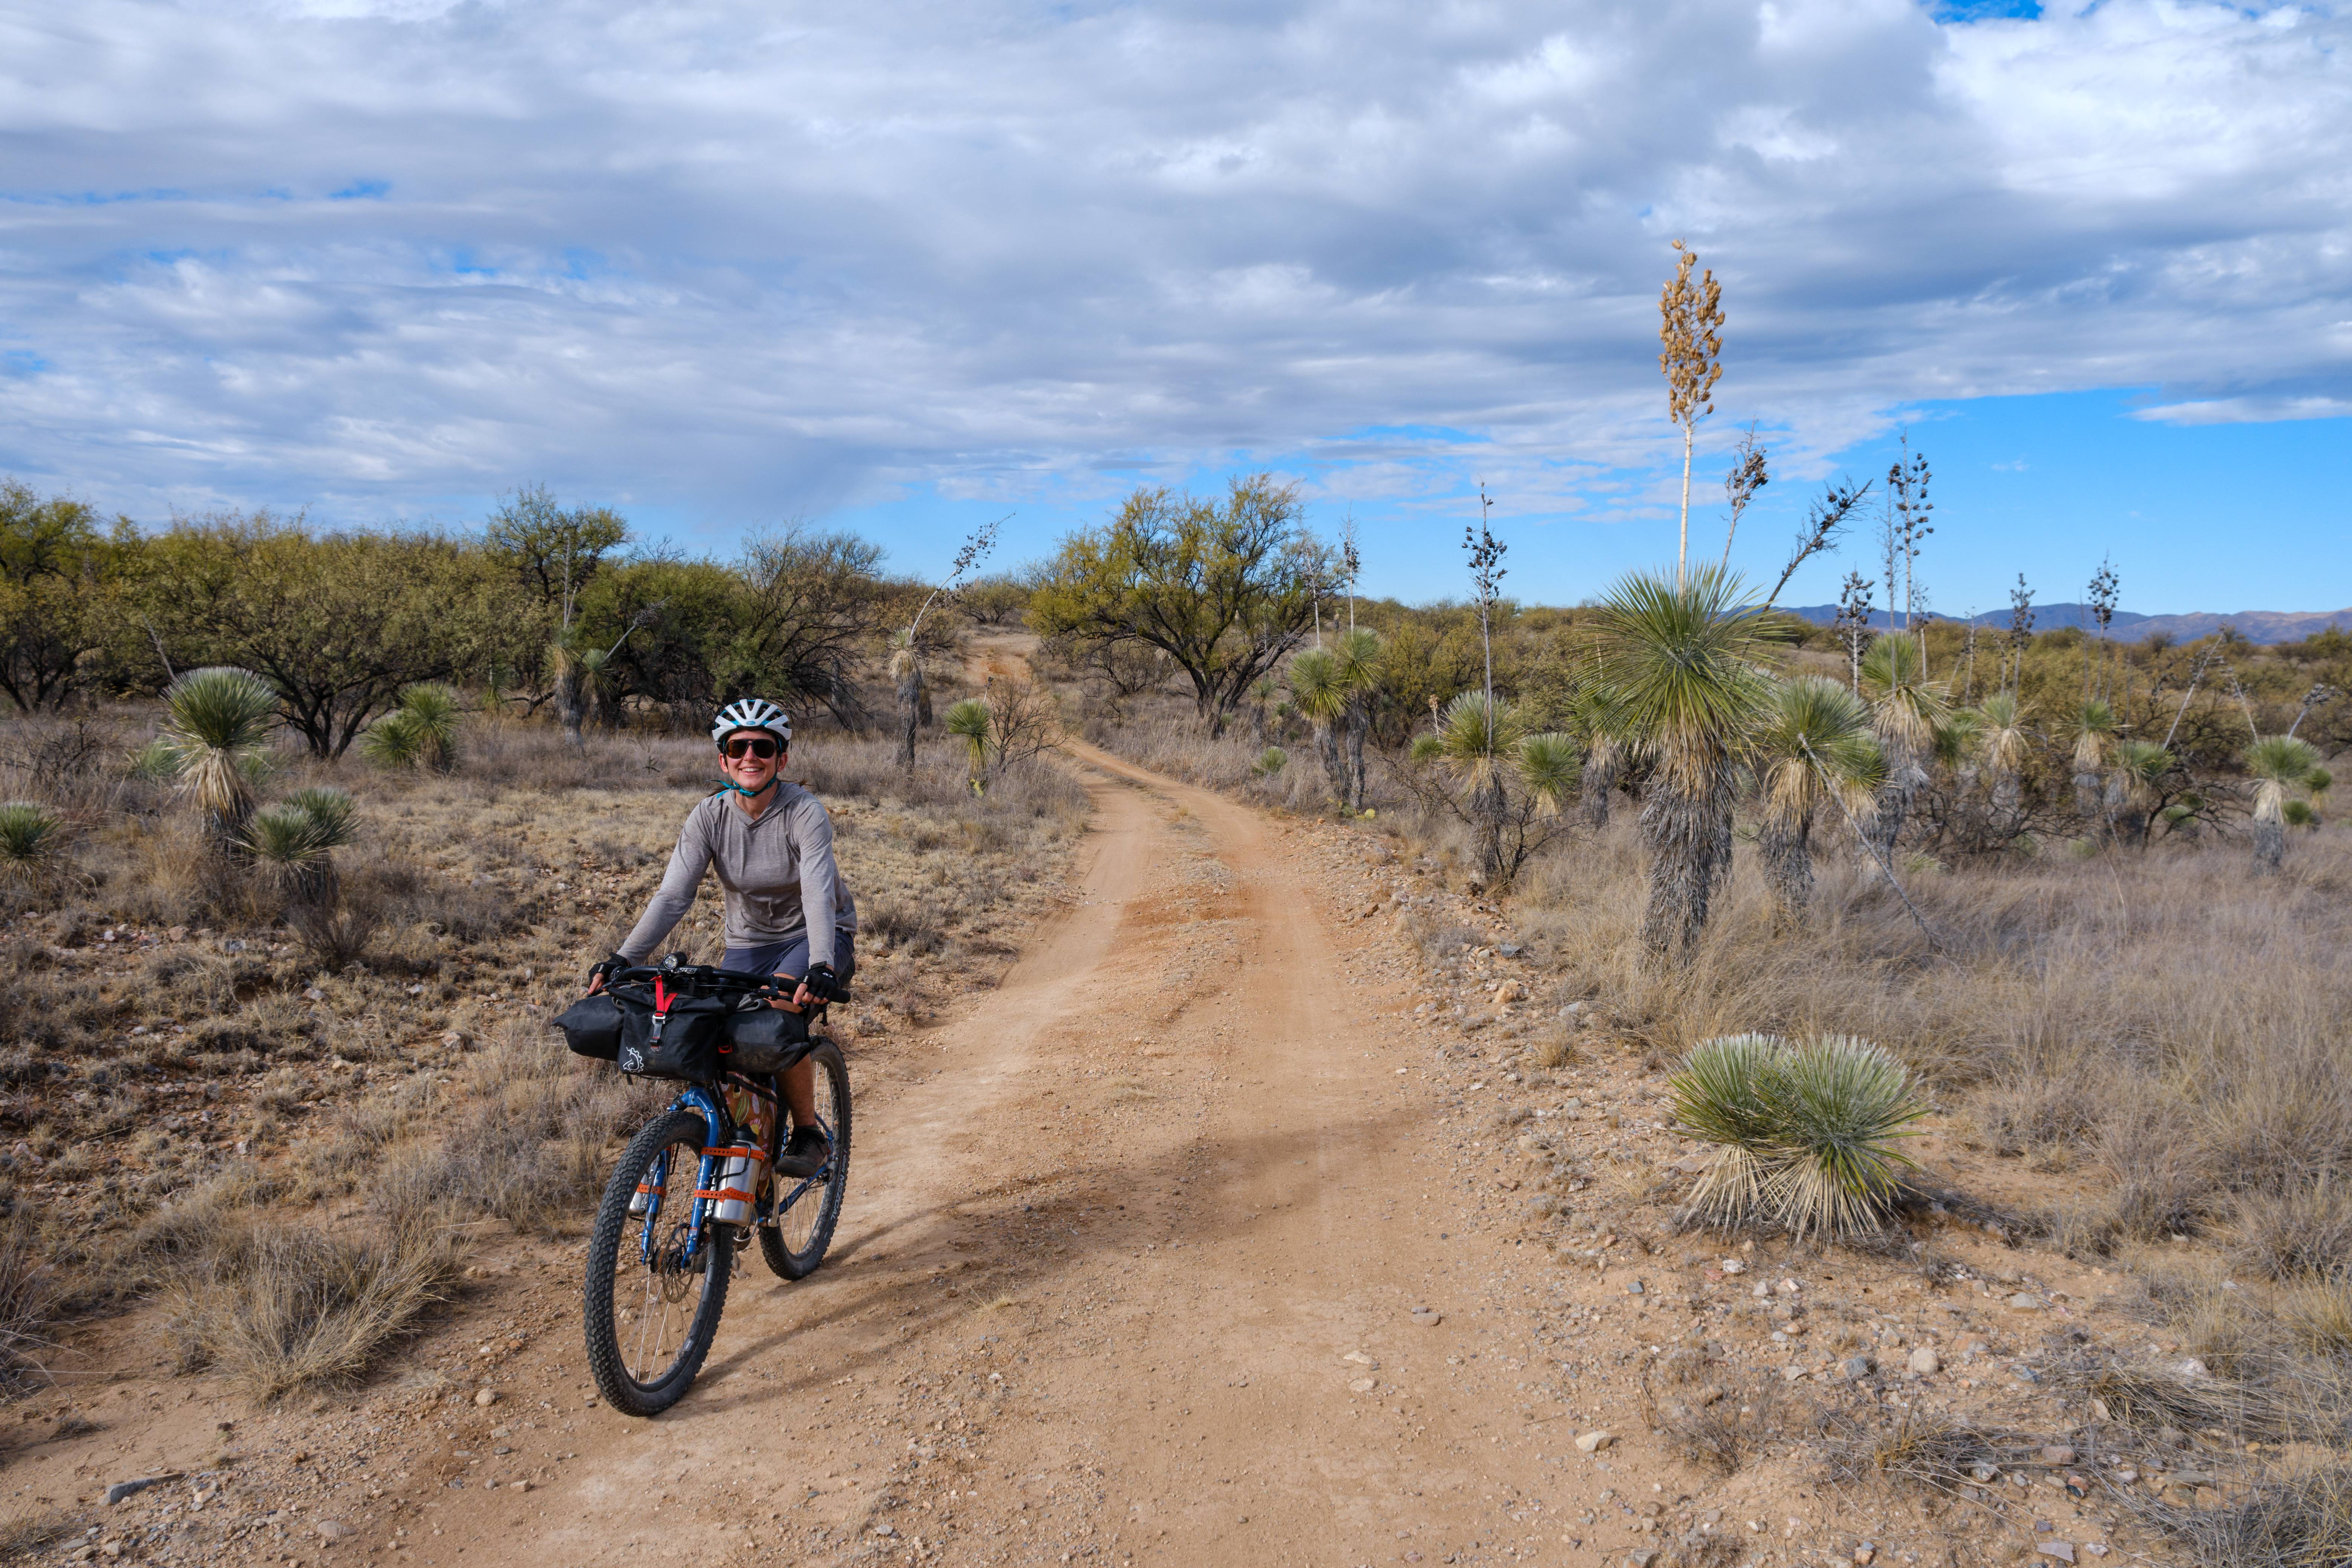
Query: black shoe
805	1155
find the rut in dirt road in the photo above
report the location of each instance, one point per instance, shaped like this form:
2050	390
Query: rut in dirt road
1126	1271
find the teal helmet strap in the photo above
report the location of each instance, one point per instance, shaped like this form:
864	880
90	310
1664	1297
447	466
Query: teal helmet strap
729	785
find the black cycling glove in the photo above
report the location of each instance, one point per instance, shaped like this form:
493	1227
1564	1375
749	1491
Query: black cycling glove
606	970
821	981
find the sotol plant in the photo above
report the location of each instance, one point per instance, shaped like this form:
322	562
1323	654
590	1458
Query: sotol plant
219	717
1500	774
970	720
1805	1131
1907	709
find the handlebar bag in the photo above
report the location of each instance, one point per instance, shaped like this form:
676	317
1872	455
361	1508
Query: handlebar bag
592	1026
666	1036
765	1039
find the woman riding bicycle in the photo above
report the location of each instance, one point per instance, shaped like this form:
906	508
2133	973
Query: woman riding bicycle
788	914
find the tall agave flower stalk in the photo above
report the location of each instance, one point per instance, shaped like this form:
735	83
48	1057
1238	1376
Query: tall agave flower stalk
2279	763
2095	733
1815	749
1680	668
219	717
1907	709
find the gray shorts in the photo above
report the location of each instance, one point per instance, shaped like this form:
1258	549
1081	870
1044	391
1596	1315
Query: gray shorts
791	957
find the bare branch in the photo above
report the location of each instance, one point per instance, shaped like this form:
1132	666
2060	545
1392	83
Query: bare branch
1824	521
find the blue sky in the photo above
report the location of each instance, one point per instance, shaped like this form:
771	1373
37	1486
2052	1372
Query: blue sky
908	265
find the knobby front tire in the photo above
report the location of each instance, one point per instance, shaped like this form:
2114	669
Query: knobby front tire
649	1328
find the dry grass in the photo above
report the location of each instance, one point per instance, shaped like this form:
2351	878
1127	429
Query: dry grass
28	1307
2289	1522
1727	1434
277	1305
24	1539
1918	1448
2159	1021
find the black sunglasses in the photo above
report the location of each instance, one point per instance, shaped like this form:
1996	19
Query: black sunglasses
756	745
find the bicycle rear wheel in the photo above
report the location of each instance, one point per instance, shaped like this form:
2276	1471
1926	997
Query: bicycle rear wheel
795	1245
652	1312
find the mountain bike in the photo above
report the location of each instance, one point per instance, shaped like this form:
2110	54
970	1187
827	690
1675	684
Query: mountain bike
663	1250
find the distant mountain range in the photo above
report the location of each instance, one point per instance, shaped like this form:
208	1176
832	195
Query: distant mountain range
2256	626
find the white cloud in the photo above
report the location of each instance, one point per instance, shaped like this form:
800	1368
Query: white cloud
745	260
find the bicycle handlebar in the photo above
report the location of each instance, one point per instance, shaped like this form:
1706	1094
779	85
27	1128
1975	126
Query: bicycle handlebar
702	975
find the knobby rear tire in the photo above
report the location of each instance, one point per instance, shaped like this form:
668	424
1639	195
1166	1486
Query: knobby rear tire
795	1244
613	1256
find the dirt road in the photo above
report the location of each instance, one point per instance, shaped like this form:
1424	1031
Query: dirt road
1100	1277
1197	1242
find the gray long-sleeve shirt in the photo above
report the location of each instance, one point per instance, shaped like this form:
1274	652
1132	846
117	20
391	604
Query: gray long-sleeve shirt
776	870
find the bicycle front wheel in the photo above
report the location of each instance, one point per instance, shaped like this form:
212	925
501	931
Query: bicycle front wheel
809	1206
654	1289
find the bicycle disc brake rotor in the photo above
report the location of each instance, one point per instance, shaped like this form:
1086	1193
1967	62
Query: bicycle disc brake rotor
674	1272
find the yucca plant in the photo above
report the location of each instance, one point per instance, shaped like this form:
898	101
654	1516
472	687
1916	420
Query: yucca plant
2003	744
394	741
1907	709
219	717
1815	749
1680	672
2132	792
421	733
1500	773
969	719
1321	698
1804	1132
2095	733
2279	763
1356	667
1270	762
158	761
32	844
295	841
1607	755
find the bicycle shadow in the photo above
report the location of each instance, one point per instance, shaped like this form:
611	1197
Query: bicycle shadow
1042	1244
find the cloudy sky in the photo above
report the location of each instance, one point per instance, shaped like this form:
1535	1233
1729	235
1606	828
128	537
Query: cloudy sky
905	265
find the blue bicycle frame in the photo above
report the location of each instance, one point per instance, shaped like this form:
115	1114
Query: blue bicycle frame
718	1129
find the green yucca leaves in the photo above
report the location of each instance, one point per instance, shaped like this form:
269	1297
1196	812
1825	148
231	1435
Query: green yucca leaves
394	741
421	733
2143	764
2095	726
31	839
1908	706
157	761
2278	763
1270	762
1316	687
971	720
219	718
1548	766
295	840
2298	813
1803	1131
1815	741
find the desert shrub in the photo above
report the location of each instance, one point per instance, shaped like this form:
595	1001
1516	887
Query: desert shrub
1727	1434
2319	1313
909	928
1920	1448
276	1307
1804	1132
334	939
532	1148
29	1305
2304	1230
2284	1521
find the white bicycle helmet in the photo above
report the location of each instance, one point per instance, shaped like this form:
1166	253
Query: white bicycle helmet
752	713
